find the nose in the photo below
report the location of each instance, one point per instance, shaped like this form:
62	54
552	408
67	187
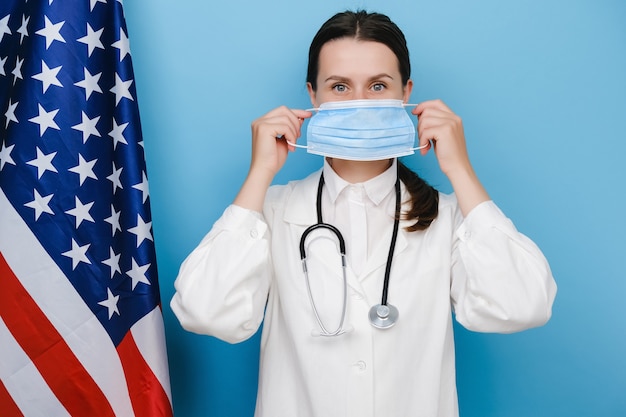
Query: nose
359	94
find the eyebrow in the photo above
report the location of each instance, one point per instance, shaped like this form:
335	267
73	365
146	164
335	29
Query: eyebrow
375	77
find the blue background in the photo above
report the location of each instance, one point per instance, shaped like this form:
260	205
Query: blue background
541	88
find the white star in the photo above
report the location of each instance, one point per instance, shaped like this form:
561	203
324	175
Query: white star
92	40
43	163
114	220
138	274
2	62
90	83
118	134
123	45
92	3
143	187
87	126
17	71
52	32
110	303
84	169
113	262
4	26
121	89
115	178
48	76
45	120
5	156
142	230
10	113
78	254
23	30
81	212
40	204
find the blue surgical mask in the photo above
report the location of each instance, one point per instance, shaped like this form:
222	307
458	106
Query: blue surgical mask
361	130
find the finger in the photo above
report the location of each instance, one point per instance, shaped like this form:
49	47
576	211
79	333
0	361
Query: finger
430	104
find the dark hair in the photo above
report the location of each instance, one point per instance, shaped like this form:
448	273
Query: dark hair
377	27
364	26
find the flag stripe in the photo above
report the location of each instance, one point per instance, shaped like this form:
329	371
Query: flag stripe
51	290
47	349
23	382
147	333
7	405
146	392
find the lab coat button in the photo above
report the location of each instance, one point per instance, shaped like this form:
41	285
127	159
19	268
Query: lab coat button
361	365
357	296
254	234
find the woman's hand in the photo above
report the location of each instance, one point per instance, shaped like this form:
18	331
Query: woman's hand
438	127
270	134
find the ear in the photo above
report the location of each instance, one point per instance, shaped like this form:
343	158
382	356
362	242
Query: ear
312	95
408	88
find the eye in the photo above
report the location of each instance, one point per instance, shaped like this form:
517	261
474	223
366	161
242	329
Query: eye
340	88
378	87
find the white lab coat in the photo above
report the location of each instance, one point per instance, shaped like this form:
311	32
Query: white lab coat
248	270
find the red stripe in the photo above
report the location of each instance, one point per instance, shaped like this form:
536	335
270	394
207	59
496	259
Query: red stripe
7	405
54	359
146	392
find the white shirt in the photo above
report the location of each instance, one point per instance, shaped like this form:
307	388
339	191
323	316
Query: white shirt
248	270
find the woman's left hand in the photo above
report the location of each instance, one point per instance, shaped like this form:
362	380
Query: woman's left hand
438	127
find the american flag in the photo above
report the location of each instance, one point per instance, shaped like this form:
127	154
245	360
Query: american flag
81	328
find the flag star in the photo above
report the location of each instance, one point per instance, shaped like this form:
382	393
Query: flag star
115	178
43	163
84	169
81	212
92	3
138	274
143	187
52	32
10	113
5	155
118	134
88	127
121	89
23	30
2	62
45	120
123	45
142	230
92	39
4	26
113	262
90	83
17	71
114	220
110	303
40	204
78	254
48	76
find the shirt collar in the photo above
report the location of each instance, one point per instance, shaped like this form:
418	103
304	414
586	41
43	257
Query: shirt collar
376	188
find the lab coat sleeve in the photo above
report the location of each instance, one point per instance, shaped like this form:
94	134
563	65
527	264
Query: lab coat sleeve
501	281
222	286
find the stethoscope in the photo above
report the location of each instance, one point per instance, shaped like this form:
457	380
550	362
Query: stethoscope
383	315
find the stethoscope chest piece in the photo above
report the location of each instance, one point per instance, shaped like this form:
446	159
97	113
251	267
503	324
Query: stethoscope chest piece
383	316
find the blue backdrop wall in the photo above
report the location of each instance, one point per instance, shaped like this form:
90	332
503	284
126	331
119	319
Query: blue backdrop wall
541	87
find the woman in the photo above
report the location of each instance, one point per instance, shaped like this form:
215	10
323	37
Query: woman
447	252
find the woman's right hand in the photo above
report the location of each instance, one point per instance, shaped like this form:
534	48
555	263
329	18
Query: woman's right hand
270	134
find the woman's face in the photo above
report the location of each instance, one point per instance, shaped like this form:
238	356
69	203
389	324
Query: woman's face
351	69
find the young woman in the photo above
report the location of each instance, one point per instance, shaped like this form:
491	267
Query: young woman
374	338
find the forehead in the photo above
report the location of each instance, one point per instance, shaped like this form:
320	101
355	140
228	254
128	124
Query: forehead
349	57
